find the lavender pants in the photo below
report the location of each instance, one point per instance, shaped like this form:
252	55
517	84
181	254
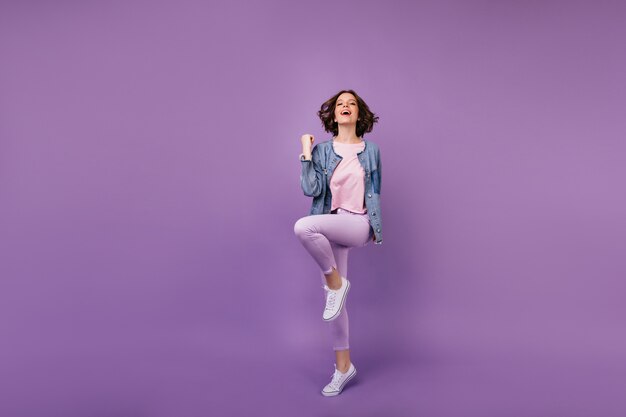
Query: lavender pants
328	238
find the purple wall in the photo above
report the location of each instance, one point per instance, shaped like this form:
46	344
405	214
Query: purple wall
149	184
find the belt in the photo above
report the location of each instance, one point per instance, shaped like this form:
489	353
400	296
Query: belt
340	210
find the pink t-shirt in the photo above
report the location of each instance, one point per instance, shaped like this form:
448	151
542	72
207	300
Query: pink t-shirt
347	184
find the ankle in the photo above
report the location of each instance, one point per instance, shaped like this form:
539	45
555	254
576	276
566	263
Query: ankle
335	284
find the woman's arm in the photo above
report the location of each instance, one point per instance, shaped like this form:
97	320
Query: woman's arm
311	176
377	177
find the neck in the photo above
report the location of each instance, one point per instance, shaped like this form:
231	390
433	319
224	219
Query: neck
347	134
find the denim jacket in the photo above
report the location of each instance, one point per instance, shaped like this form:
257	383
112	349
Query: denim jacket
316	174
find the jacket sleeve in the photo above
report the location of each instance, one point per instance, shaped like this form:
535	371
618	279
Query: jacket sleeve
377	177
311	176
380	173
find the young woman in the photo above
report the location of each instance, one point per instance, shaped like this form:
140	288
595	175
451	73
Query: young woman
343	175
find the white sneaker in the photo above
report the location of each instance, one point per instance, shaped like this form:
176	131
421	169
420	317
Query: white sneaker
335	300
339	380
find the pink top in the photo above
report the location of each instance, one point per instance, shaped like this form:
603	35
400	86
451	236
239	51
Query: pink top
347	185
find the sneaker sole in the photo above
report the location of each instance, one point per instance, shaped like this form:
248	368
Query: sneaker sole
332	394
343	299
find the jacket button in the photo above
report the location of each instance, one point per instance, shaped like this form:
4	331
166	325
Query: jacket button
374	213
378	230
369	195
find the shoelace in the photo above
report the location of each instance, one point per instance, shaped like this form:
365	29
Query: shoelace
337	378
330	297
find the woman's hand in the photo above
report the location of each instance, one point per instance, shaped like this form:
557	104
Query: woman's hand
307	143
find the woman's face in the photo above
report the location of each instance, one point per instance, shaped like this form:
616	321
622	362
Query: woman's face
346	109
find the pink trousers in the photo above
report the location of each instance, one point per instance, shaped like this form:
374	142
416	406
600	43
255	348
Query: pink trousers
328	238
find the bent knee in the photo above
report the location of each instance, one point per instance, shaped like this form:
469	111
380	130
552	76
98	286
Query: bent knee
302	227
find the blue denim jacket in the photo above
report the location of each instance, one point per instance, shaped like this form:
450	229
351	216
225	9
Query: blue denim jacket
316	174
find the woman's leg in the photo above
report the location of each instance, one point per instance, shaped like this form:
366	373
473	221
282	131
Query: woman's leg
316	233
339	328
328	238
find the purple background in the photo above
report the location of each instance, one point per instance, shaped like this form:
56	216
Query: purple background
149	184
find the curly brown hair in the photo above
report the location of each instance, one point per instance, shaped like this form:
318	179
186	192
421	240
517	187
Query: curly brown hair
364	125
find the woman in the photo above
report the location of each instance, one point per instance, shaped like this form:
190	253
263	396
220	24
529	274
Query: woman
343	175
